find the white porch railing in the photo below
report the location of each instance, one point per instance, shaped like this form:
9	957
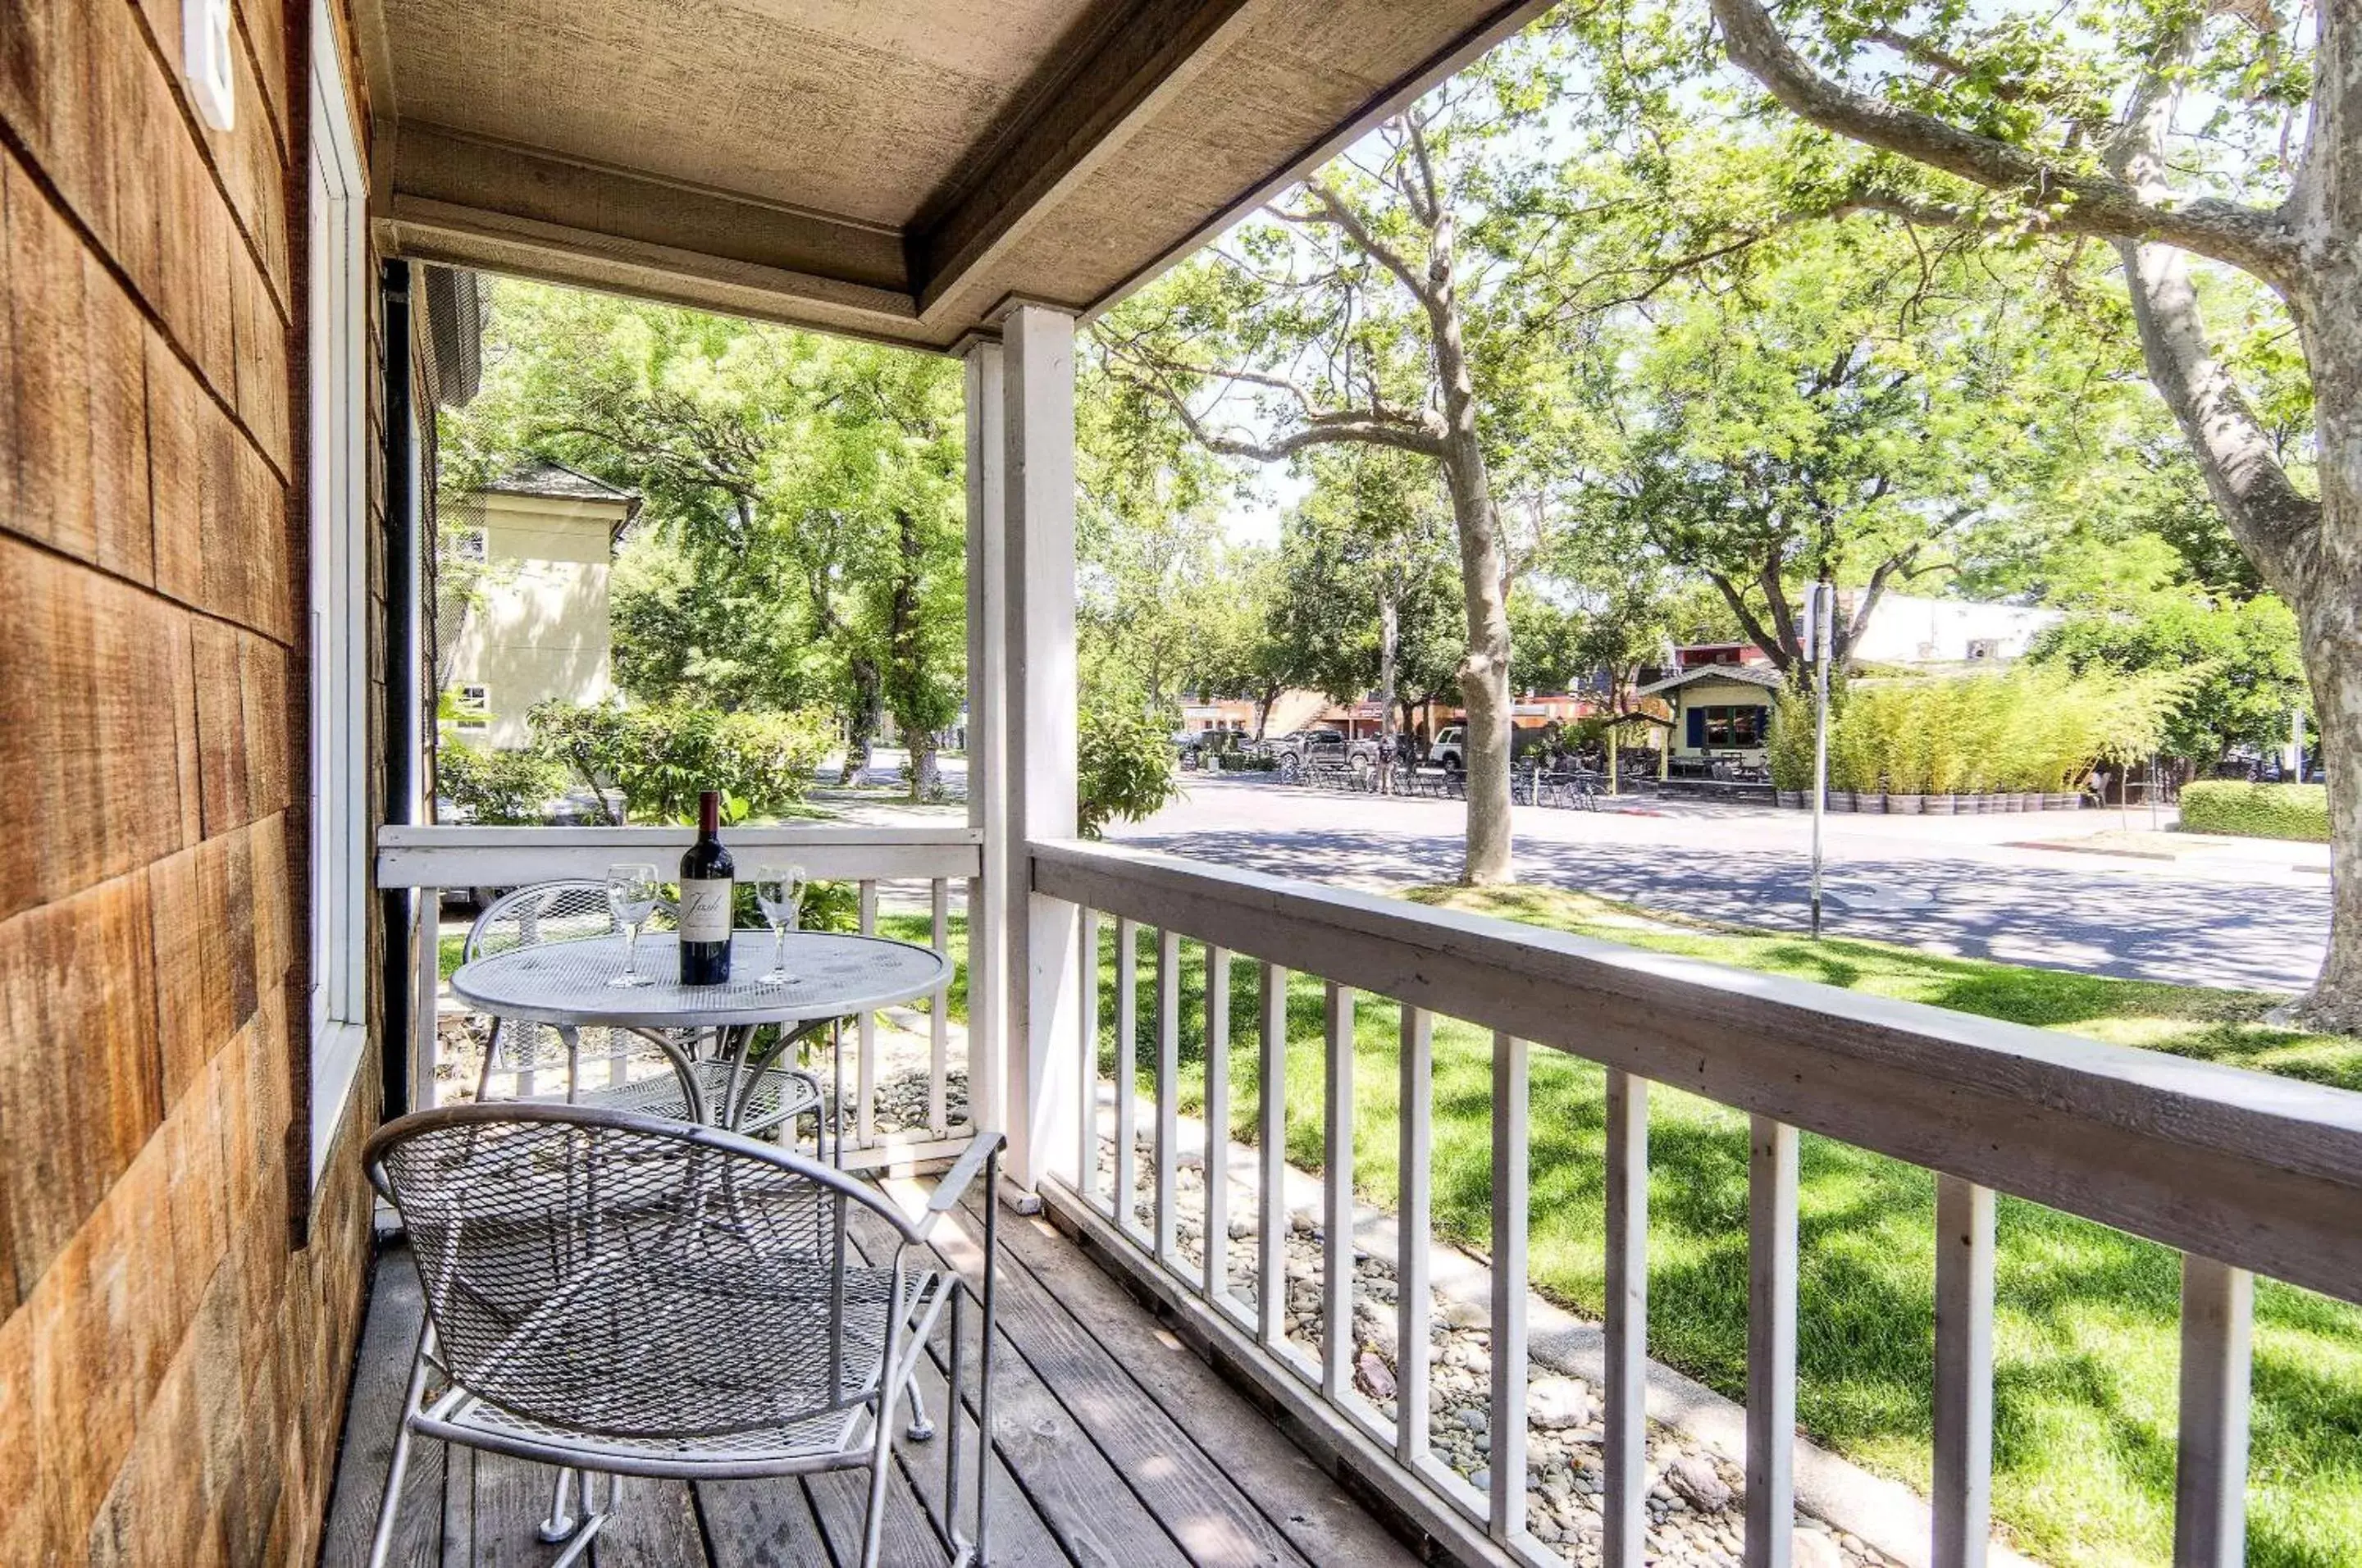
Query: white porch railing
2245	1172
432	858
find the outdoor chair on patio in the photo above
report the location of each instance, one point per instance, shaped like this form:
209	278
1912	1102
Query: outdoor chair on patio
618	1295
644	1066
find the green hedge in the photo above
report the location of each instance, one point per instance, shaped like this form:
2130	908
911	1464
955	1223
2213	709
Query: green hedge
2257	810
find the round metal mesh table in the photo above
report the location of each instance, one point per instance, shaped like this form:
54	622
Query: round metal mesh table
829	976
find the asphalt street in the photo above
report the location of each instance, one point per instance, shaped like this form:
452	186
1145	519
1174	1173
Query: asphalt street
2258	919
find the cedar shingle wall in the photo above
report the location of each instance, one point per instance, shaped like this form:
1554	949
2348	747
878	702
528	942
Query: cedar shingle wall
172	1372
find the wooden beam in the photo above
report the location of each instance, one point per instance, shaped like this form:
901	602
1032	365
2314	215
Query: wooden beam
466	201
1146	54
433	163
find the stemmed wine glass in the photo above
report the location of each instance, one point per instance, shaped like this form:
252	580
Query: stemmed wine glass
632	892
779	889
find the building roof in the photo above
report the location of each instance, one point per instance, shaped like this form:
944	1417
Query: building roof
541	477
903	170
1762	675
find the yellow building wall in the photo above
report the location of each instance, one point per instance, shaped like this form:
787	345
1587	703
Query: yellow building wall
1717	694
541	629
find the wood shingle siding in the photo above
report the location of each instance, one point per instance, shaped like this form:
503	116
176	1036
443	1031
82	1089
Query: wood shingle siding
173	1351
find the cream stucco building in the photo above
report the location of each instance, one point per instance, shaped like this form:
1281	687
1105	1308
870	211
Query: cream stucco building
536	627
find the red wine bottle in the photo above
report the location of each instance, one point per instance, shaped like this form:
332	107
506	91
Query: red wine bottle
708	898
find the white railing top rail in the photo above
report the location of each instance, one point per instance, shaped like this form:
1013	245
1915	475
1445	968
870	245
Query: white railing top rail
2259	1172
462	856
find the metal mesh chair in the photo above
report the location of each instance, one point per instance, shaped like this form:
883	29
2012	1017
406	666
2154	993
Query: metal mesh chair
618	1295
649	1069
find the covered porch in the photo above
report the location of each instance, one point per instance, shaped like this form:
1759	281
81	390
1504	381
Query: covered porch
961	180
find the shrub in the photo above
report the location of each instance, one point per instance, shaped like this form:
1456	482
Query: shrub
660	758
2033	728
2257	810
1789	748
1126	762
500	788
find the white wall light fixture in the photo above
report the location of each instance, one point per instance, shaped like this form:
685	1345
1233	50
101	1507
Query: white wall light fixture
205	56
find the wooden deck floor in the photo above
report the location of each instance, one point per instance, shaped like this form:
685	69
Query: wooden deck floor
1115	1444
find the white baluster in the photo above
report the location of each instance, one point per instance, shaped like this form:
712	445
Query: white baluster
1218	1122
1337	1180
1271	1148
1625	1455
865	1094
1770	1342
1414	1306
1086	1167
1511	1171
2209	1480
1962	1496
939	1033
1127	1050
1168	1097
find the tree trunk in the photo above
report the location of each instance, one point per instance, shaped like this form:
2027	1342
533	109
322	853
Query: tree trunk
926	769
1485	671
2329	618
1483	577
1390	640
868	701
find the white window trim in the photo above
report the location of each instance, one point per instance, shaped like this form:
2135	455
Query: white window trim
475	707
340	597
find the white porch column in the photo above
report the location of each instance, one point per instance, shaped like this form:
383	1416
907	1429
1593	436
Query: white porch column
987	742
1039	1101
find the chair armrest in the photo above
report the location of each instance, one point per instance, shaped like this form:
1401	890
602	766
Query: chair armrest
955	1185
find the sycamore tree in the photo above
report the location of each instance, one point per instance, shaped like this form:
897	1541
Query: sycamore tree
2192	140
1426	294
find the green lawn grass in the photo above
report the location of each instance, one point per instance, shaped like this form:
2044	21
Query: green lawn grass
2086	1331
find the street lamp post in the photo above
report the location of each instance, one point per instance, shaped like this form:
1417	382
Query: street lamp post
1819	617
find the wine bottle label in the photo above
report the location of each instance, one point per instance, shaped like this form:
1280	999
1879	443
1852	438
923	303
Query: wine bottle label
705	908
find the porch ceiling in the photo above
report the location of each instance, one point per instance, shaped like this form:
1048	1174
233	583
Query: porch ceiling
899	169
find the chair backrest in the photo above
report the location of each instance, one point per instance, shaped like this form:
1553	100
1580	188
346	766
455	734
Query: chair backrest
548	911
584	1268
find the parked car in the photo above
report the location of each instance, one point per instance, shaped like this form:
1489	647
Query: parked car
1448	750
1310	748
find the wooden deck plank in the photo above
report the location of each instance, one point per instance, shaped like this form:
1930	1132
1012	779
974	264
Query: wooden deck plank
381	1377
1078	1492
512	1498
1302	1500
840	1498
761	1524
1114	1447
1185	1490
1019	1538
655	1526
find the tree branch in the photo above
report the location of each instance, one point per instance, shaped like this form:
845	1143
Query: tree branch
2277	526
2254	240
1335	212
1748	620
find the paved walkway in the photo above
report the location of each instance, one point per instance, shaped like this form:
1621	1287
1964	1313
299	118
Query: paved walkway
1972	885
